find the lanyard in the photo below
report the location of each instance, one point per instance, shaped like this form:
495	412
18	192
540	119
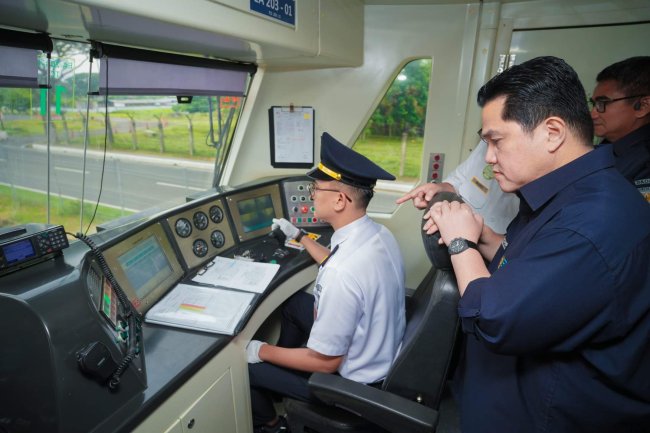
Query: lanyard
322	264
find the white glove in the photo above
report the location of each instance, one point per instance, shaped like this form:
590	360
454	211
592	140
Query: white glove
253	351
289	230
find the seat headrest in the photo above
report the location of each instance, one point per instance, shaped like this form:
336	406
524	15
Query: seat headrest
438	252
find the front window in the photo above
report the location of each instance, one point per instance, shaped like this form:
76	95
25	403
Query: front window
142	151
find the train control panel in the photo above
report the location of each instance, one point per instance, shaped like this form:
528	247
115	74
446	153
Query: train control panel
82	357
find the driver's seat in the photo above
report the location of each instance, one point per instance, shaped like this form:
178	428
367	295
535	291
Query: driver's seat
409	397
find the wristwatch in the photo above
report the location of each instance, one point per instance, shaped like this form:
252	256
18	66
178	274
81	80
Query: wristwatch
300	235
458	245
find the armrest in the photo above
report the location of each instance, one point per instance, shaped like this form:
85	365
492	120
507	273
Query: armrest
387	410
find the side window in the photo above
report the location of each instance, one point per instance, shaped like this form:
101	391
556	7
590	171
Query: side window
394	134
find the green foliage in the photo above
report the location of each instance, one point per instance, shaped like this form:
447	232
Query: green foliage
14	100
403	108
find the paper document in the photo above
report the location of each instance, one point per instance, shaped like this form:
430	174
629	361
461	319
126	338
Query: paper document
202	308
238	274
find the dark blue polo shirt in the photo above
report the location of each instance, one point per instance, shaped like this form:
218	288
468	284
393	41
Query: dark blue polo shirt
558	337
632	154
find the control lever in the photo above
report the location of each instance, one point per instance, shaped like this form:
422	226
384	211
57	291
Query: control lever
278	235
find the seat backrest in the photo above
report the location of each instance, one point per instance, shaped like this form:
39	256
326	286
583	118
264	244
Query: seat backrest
420	369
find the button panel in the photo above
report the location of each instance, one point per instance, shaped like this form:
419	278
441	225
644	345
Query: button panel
299	204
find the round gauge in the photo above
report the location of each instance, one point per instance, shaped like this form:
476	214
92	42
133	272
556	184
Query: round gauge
200	220
183	227
217	238
216	214
200	248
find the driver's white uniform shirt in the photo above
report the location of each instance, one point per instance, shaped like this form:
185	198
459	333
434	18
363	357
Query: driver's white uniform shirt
359	301
474	182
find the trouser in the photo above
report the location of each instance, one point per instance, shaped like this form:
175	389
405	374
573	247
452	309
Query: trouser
267	379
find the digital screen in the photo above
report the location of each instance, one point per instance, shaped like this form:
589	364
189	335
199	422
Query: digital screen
18	251
145	266
256	213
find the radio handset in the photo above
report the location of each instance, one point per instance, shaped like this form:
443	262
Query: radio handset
95	359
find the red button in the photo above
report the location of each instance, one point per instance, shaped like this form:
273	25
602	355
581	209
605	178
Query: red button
304	209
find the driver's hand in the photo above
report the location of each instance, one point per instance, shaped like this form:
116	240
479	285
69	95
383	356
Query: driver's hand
289	230
253	351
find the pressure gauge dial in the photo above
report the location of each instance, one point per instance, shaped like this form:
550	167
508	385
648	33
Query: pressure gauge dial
200	248
216	214
183	227
217	238
200	220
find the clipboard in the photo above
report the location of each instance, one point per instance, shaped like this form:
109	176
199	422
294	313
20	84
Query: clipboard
291	136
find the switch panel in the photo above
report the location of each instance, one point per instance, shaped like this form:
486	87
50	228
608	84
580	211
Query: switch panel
436	165
300	206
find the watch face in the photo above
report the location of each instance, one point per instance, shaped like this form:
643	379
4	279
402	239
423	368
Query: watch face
457	245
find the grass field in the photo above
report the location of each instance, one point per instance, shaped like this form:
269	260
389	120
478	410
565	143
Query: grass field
18	206
386	151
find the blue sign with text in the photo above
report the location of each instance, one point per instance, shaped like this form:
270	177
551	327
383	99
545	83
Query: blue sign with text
280	10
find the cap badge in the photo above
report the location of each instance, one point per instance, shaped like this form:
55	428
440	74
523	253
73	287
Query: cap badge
329	172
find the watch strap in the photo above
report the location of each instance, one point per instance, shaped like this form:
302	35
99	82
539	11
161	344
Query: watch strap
454	248
301	233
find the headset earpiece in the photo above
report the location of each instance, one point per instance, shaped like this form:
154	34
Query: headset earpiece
637	105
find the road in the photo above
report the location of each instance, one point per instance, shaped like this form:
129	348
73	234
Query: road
131	182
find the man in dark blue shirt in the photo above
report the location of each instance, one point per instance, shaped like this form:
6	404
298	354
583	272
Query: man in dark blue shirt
558	326
621	115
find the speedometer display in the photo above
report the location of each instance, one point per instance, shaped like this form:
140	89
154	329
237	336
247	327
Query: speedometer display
216	214
200	248
183	227
200	220
217	238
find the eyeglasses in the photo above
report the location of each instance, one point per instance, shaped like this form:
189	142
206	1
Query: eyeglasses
601	104
312	188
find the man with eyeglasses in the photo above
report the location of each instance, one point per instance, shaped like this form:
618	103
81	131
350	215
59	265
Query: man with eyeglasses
355	319
620	110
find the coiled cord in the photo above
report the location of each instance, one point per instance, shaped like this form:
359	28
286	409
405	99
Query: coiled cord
132	315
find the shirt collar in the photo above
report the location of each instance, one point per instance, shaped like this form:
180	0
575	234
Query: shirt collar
346	231
540	191
624	144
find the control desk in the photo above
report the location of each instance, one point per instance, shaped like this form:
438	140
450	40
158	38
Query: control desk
68	326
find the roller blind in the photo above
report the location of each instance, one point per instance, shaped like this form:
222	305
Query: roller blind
127	71
19	57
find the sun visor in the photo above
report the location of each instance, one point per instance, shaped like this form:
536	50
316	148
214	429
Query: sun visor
126	71
23	49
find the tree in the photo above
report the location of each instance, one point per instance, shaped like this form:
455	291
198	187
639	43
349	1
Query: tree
403	108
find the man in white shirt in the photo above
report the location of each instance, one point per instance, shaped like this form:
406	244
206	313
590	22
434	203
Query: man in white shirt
355	320
474	182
